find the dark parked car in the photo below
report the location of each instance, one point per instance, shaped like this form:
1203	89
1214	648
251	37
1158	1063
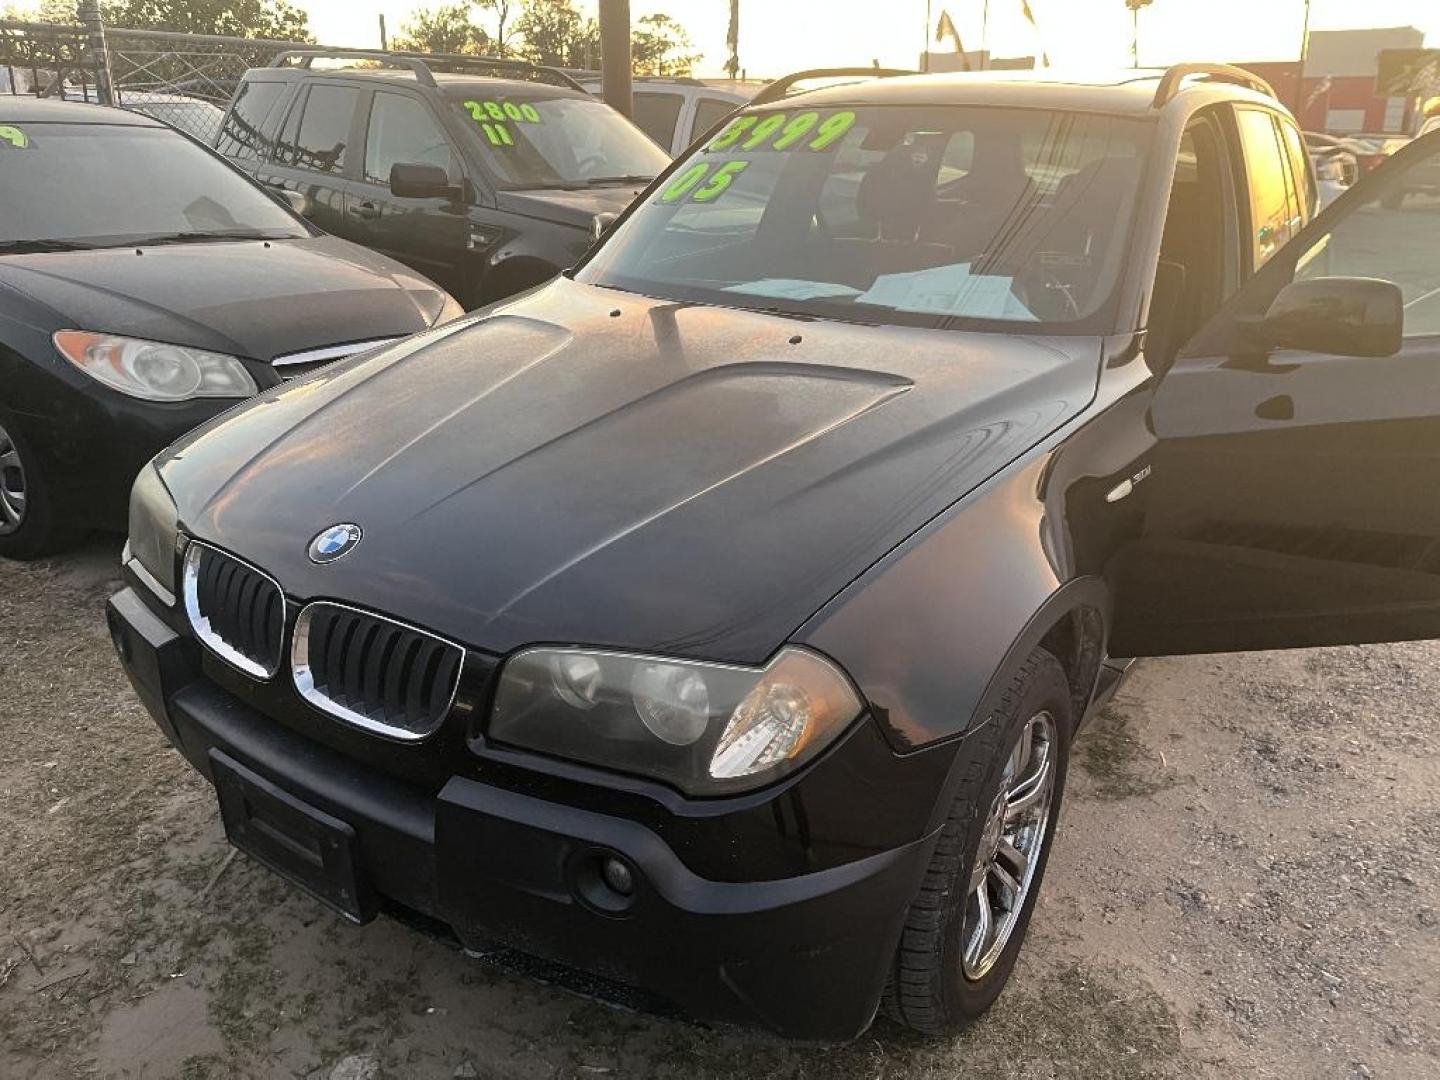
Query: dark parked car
146	285
716	619
487	185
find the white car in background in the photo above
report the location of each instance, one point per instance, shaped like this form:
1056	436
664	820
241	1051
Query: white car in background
677	111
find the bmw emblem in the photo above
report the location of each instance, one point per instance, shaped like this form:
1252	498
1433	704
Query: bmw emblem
334	542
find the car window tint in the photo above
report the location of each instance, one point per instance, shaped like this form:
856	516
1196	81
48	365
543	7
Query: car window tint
403	130
1268	180
656	115
709	112
323	129
1394	239
243	134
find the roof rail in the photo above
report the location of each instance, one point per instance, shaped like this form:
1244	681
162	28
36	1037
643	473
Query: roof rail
776	90
420	63
1174	76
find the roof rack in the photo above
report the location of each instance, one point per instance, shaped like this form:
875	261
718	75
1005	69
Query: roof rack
778	89
1174	76
420	63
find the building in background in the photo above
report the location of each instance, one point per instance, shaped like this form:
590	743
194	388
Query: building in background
974	60
1342	90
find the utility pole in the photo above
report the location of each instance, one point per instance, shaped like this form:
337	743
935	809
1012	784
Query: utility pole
615	74
925	52
1135	6
89	14
1300	73
985	35
384	38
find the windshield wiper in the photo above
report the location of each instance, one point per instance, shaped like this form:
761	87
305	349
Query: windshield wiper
199	237
599	181
21	247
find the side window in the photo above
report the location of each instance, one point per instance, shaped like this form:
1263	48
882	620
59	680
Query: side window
1268	179
1395	238
709	112
317	130
403	130
242	135
656	115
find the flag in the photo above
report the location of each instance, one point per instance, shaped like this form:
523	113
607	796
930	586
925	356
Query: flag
946	28
1030	18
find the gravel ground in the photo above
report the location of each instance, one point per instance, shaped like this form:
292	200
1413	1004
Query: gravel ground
1246	882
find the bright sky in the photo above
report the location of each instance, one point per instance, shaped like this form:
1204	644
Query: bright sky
777	36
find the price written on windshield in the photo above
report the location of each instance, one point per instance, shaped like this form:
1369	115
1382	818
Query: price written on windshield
703	182
494	118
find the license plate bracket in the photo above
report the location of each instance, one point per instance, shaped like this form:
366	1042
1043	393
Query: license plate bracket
300	842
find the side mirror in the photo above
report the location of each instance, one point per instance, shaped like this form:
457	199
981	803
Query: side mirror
411	180
1337	316
601	225
298	201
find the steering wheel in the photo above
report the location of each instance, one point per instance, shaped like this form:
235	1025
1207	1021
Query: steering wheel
587	165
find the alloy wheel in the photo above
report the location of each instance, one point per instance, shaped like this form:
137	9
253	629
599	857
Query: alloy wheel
1010	847
12	485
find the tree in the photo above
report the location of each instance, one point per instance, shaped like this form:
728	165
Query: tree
46	11
660	46
445	29
553	32
453	28
275	19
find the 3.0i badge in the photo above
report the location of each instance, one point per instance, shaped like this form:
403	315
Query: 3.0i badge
334	543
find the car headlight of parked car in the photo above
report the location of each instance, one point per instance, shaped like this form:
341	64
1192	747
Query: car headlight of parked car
153	370
705	728
451	310
154	528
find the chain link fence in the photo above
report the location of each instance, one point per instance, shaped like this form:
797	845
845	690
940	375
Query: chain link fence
184	80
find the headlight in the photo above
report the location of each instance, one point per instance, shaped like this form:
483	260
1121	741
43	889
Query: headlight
451	310
1329	169
153	370
705	728
154	528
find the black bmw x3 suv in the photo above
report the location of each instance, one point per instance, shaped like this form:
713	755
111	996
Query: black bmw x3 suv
715	620
487	179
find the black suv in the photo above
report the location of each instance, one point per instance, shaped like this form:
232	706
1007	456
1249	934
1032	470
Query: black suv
486	185
716	619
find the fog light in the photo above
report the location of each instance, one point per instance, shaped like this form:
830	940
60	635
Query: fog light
618	876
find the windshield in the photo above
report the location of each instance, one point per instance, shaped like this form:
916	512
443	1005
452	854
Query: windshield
560	142
919	216
96	185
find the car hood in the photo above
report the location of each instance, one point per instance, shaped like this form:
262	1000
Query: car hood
586	466
256	299
576	208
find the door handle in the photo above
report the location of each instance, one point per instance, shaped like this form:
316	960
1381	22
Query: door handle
367	210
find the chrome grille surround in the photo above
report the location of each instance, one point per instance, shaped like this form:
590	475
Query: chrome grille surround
374	672
246	626
297	365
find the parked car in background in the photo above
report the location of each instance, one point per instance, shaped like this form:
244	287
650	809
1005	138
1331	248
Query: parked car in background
1336	168
715	620
486	185
197	118
145	286
1421	181
677	111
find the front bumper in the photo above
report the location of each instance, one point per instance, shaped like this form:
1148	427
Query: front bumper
806	956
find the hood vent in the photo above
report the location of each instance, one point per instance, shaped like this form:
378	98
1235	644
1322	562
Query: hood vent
375	673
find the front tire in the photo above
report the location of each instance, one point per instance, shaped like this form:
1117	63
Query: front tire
965	927
31	524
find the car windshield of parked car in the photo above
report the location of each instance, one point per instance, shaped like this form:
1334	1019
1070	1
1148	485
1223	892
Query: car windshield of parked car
918	216
100	185
559	142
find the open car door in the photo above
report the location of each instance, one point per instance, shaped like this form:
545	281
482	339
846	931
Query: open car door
1295	493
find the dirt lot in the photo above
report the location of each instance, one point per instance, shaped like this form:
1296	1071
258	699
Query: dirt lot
1247	882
